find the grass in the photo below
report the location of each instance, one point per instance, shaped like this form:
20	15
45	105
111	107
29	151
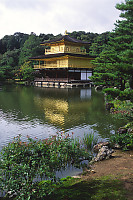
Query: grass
89	140
97	189
104	188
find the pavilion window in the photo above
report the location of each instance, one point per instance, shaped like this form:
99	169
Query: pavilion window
77	50
67	48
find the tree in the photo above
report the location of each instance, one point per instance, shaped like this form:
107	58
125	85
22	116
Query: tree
6	72
9	64
31	48
26	71
99	44
114	66
21	38
10	58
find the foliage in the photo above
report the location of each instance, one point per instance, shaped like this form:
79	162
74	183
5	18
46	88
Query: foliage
125	140
6	72
10	58
74	188
26	72
114	66
99	44
89	140
30	48
24	164
123	110
126	94
112	92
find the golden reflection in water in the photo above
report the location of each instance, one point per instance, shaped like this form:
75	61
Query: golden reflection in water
56	105
62	112
54	118
55	110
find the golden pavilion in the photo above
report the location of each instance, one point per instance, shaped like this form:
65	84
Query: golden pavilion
64	64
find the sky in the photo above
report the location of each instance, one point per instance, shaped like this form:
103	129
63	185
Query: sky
56	16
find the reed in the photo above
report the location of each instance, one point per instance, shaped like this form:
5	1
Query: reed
89	140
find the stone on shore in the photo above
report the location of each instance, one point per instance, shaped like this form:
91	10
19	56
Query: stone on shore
99	145
104	153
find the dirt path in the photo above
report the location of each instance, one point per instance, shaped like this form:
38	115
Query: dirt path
119	166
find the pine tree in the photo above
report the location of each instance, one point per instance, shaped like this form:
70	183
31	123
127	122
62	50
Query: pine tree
114	66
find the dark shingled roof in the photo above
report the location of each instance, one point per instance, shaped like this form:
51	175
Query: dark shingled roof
66	38
60	55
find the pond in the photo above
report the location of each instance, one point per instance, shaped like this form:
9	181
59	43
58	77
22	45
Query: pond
40	112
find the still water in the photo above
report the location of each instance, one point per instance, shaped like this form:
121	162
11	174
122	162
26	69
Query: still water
40	112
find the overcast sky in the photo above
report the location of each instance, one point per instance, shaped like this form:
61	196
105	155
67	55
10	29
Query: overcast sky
56	16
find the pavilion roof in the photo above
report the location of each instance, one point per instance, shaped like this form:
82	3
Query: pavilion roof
60	55
65	38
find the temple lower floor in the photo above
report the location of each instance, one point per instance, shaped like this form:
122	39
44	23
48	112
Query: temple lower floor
65	75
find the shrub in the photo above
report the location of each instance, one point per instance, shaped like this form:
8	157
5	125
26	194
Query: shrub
112	92
123	110
24	164
125	140
127	94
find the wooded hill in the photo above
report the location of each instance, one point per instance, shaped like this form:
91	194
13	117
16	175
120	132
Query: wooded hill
16	49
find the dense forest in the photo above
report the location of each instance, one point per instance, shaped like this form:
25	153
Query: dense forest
113	51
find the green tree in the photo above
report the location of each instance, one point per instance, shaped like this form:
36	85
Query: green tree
26	72
9	64
2	73
10	58
114	66
31	48
21	38
99	44
6	72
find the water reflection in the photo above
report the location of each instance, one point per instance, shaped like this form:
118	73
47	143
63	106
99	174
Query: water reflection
64	111
44	111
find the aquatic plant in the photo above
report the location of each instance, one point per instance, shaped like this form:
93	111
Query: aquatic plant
89	140
23	164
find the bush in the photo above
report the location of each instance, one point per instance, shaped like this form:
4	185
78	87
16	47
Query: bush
24	164
123	110
112	92
127	94
125	140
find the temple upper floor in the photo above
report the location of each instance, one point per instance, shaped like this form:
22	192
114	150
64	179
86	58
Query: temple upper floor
65	49
65	44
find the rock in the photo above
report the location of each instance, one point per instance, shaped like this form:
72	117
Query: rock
117	146
99	87
130	131
90	171
109	106
99	146
122	130
76	176
104	153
